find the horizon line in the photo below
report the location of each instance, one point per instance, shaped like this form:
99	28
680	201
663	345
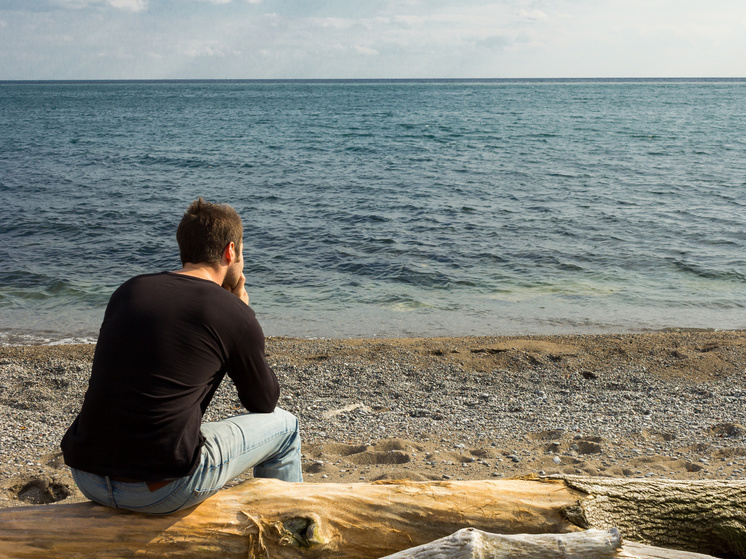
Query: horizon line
369	80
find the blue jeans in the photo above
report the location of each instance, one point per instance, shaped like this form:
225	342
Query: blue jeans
268	442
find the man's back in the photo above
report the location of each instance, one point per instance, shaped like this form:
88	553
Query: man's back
165	344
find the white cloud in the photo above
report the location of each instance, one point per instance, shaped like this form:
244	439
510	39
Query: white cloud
411	20
130	5
535	15
365	50
75	4
402	38
217	49
333	22
495	42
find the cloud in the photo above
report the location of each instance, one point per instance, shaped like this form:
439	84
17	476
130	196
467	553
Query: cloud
410	20
494	42
59	39
209	48
127	5
130	5
365	50
74	4
535	15
333	22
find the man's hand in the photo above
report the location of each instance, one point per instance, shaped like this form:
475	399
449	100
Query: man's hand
239	290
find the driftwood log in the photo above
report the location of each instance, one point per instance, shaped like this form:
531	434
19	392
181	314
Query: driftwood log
269	518
470	543
704	516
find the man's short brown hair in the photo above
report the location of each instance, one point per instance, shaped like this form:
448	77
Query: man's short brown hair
205	230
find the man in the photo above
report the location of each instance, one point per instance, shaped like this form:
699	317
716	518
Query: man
166	342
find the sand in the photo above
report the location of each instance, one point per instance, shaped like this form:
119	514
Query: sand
660	405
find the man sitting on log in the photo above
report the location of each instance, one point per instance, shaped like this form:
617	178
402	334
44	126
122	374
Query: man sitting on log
166	342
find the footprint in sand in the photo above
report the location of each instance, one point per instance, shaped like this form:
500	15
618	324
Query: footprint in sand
41	491
386	452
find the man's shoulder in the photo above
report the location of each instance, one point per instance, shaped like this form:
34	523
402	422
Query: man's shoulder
146	277
142	280
170	278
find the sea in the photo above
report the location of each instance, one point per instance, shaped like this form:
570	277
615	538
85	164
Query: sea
384	208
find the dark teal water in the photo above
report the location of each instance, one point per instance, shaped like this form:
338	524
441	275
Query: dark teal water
385	208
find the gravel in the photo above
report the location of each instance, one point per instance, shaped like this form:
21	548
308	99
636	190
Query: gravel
371	409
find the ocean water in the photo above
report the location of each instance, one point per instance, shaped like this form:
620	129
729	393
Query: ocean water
375	208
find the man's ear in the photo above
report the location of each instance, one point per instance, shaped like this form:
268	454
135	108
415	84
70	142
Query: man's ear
229	253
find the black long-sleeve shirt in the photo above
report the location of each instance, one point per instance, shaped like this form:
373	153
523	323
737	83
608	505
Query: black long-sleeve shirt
166	342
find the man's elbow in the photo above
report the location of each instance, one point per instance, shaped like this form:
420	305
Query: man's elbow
261	406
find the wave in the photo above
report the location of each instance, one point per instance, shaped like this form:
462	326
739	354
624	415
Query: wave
724	275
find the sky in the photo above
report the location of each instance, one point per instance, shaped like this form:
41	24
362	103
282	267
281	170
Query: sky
353	39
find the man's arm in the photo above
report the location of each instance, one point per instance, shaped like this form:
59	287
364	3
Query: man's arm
256	383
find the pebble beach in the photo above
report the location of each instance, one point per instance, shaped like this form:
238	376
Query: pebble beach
650	405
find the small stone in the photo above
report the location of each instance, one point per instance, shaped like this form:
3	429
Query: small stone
557	460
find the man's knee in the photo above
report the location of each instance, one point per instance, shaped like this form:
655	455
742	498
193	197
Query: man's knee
291	419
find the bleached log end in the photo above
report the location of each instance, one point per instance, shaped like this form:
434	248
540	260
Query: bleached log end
470	543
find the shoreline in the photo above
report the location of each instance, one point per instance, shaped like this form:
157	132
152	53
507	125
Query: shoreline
13	338
656	404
